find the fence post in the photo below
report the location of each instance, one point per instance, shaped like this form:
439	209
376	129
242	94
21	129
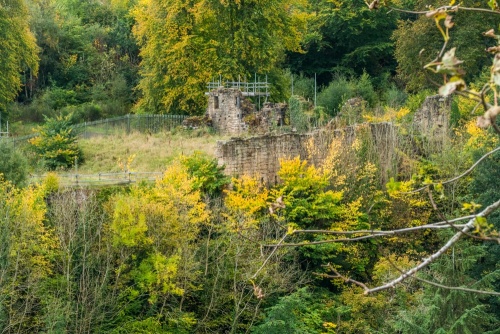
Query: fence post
128	124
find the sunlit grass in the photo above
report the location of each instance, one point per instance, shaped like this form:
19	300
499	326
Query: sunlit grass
141	152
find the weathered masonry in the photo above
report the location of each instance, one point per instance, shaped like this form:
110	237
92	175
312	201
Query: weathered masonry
226	111
228	106
260	156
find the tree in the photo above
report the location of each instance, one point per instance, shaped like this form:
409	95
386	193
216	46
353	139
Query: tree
18	51
25	256
13	164
154	230
346	38
420	34
439	309
87	55
184	44
56	144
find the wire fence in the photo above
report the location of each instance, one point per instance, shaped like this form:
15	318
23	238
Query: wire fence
99	179
145	123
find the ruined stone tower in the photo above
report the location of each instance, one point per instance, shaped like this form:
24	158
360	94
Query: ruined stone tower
226	112
228	106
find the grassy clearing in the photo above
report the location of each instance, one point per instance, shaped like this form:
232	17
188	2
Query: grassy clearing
142	152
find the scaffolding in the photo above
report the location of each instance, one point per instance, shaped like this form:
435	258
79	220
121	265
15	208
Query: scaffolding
255	88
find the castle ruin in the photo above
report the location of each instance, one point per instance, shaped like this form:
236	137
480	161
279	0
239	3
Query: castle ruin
232	113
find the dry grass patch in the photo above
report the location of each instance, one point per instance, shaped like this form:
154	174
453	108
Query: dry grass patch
141	152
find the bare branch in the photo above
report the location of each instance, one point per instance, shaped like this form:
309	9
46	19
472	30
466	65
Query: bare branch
443	217
344	278
485	90
371	233
269	257
495	127
466	93
311	243
459	288
469	226
446	8
476	107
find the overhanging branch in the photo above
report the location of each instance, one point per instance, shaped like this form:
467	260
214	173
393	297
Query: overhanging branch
467	227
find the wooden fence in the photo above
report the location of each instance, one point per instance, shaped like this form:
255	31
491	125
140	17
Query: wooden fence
99	179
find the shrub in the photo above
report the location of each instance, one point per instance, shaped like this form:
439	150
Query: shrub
335	94
208	175
298	117
415	101
13	164
364	89
394	97
56	144
303	86
86	112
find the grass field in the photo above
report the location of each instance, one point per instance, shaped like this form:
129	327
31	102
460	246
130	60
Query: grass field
141	152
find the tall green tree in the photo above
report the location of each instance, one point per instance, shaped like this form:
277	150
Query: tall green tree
345	37
184	44
87	54
18	51
421	34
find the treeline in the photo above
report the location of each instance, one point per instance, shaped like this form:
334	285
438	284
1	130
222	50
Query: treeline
196	252
96	59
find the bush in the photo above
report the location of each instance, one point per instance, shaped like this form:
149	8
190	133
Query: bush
56	145
335	94
13	164
303	86
415	101
86	112
341	89
364	89
298	117
208	175
394	97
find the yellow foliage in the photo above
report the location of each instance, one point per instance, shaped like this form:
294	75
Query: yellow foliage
162	221
31	242
244	201
51	183
129	223
126	166
389	115
479	138
296	172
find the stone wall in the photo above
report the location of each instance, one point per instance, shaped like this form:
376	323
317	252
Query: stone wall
260	156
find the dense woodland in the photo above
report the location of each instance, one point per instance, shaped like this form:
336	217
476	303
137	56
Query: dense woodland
199	252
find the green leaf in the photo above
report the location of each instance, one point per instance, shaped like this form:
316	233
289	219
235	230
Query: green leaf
493	4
